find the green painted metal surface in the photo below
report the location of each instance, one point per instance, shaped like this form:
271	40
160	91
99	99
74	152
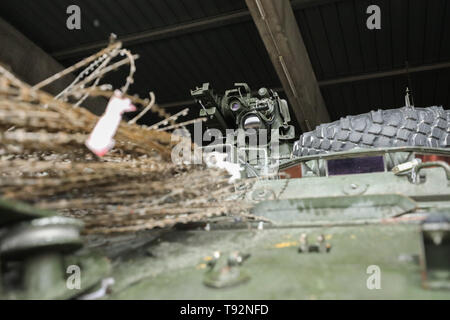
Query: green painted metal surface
11	212
332	209
277	270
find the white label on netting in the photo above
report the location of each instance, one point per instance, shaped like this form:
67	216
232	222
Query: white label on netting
101	139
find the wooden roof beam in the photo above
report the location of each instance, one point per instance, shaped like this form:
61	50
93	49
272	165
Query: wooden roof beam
279	31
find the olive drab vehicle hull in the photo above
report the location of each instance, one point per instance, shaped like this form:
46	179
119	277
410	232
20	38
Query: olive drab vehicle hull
376	235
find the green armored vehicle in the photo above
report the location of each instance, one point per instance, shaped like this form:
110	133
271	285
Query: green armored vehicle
357	209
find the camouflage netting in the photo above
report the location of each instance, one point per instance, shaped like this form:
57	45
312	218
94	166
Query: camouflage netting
44	160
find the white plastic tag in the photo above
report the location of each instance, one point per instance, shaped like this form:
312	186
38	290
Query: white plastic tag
101	139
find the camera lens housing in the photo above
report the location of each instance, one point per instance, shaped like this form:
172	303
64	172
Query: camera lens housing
235	105
252	121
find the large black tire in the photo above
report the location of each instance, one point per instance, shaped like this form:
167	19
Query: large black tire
429	127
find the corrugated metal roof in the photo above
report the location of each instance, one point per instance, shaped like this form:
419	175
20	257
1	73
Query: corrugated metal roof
339	45
44	21
335	34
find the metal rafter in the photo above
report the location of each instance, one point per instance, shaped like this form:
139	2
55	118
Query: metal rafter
348	79
176	30
384	74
